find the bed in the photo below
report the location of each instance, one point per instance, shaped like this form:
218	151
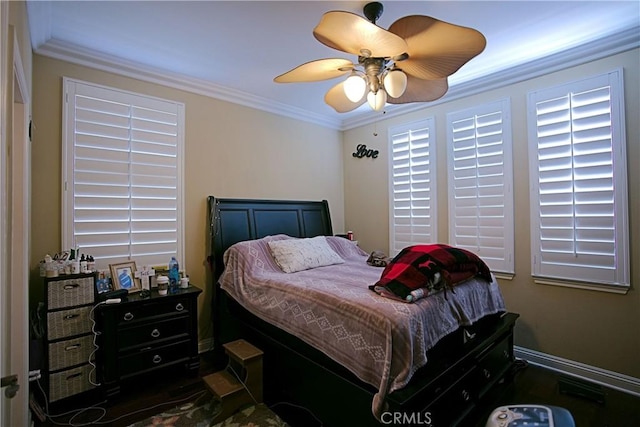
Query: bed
329	342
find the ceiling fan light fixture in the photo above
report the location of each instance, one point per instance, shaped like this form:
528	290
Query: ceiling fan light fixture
355	87
395	83
377	100
409	62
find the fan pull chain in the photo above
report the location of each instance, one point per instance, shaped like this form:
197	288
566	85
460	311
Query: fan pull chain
375	125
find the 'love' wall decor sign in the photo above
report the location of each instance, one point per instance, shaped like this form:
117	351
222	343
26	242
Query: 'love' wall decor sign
363	151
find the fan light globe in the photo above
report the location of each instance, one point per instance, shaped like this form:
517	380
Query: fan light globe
395	83
377	100
354	87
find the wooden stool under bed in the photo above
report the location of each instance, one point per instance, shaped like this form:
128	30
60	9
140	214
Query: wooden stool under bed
240	383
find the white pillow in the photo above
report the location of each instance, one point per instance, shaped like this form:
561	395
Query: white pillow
293	255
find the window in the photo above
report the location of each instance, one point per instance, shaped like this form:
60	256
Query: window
412	186
579	213
122	175
481	182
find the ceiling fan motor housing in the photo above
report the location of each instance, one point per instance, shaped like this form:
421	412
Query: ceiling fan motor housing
373	11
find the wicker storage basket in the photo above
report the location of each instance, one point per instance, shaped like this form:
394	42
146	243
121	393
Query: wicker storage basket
70	382
68	323
63	354
70	292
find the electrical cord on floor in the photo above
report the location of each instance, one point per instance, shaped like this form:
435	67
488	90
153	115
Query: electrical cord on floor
99	419
235	374
230	368
299	407
193	396
76	412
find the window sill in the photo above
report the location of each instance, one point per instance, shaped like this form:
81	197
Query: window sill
612	289
504	276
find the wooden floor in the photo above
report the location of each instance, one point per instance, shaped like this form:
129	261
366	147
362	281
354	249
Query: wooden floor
531	385
536	385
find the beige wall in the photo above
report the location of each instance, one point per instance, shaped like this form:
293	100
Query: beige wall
594	328
230	151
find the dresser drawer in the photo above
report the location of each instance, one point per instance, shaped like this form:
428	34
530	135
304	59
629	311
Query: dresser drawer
70	292
452	406
153	332
67	323
153	357
70	382
143	312
63	354
493	364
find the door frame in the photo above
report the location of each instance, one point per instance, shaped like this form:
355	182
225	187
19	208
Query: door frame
15	224
4	288
20	214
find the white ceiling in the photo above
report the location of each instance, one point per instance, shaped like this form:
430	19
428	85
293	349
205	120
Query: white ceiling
234	49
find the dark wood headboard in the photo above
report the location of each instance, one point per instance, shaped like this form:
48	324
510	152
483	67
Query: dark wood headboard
236	220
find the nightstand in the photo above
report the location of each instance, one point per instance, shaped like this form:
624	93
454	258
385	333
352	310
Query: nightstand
143	335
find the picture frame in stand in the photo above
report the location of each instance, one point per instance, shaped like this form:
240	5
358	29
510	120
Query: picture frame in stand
123	276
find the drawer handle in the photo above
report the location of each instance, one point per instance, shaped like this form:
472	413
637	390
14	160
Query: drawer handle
487	373
72	376
179	307
155	333
71	316
128	316
157	359
72	347
69	287
465	395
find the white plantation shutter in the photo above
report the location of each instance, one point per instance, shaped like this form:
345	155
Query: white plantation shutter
122	175
579	217
481	182
412	185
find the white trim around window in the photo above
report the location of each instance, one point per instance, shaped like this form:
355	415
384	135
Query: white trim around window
578	177
123	157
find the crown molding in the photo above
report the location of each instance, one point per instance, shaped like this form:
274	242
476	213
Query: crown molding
610	45
78	55
602	48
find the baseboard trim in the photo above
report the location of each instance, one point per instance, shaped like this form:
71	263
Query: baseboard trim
583	371
205	345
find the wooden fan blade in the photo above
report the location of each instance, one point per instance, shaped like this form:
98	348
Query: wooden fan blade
437	49
351	33
419	90
337	99
314	71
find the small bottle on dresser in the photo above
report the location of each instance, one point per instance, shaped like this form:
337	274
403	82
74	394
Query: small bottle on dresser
174	275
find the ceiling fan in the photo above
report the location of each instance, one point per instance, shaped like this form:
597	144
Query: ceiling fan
409	62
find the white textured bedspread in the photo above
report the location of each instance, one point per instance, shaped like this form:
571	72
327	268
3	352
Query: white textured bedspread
382	341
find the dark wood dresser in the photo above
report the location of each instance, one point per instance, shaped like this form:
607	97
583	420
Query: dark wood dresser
143	335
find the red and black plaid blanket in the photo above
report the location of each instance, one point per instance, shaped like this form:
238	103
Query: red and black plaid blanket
423	266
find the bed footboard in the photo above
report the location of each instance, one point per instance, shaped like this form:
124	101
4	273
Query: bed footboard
464	370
